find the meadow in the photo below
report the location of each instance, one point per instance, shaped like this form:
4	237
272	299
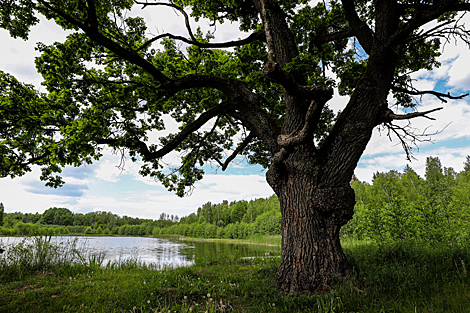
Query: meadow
391	277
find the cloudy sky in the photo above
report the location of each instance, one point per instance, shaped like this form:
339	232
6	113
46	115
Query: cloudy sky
102	186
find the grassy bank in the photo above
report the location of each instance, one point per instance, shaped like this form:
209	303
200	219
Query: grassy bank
394	277
255	239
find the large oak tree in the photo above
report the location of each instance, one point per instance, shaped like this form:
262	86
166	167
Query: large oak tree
264	96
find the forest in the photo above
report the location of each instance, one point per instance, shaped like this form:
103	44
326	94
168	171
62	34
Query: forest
395	206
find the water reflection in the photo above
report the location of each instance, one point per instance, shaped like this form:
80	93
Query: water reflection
214	249
147	250
159	251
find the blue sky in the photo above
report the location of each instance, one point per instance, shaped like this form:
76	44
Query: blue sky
103	187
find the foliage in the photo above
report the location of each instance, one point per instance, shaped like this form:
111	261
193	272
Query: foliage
63	221
402	206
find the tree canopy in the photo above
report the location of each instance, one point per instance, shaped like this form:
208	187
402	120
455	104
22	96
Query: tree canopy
107	84
263	96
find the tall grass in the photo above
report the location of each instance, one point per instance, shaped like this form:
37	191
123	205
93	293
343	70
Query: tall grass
265	239
36	254
41	254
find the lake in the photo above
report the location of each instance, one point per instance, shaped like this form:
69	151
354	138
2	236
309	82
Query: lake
164	252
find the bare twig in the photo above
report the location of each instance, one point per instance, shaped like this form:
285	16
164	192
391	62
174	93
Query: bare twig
408	136
174	6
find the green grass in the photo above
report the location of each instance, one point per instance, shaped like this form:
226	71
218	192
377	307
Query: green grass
254	239
392	277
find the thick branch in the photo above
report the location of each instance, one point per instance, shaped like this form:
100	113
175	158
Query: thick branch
92	19
360	29
259	35
311	119
280	40
173	143
268	30
277	75
342	34
259	123
439	95
237	151
104	41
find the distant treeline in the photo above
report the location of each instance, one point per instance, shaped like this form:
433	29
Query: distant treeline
63	221
225	220
235	220
396	206
402	205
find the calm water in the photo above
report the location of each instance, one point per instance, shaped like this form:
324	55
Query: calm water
156	250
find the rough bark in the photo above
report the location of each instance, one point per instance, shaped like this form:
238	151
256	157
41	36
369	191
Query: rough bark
312	258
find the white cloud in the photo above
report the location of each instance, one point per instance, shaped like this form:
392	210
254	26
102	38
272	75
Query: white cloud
17	194
107	169
459	76
424	84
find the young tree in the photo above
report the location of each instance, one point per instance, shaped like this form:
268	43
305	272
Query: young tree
265	96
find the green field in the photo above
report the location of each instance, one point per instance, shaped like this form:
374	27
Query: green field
392	277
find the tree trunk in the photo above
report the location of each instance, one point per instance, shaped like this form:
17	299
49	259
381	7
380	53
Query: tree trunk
312	257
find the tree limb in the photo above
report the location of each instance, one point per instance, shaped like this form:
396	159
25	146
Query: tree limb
342	34
390	116
439	95
92	19
276	74
267	28
259	35
239	149
360	29
173	143
311	119
96	36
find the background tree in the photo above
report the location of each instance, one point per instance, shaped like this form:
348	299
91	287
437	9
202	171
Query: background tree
56	216
265	98
2	210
